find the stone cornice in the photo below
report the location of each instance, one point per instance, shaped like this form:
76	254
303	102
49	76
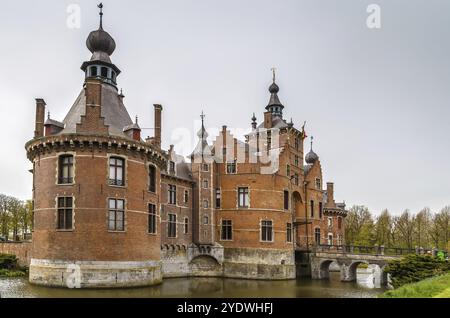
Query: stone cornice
334	211
88	142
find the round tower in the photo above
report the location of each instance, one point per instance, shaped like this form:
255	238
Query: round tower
95	193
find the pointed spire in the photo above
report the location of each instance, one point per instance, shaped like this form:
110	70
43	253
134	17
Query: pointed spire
254	121
100	6
291	123
48	115
136	122
312	139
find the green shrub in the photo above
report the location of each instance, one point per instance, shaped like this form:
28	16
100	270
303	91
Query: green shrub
8	261
413	268
11	273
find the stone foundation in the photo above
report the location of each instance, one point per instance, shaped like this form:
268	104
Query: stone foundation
94	274
247	263
257	263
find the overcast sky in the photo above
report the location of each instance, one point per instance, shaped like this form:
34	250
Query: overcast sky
375	100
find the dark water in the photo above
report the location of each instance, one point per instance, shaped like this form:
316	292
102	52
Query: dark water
208	287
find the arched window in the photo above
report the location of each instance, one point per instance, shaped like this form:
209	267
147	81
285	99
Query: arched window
205	184
205	204
205	220
317	236
186	225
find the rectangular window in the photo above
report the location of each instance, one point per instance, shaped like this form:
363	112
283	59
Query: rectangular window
318	184
205	204
152	219
296	160
269	140
116	171
243	197
218	196
186	196
289	232
317	236
152	179
104	71
288	171
116	215
205	184
231	167
65	169
266	231
227	230
339	240
172	226
339	222
296	143
320	209
205	167
312	208
172	193
286	200
186	225
296	179
330	222
65	209
330	239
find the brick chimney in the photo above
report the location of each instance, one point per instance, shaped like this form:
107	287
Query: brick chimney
267	120
158	110
330	195
40	117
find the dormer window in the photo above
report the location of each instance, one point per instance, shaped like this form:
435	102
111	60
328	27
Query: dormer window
171	167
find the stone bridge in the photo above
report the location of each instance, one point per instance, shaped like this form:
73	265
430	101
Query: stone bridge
348	258
348	264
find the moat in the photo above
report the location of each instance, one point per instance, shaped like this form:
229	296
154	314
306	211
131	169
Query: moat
210	287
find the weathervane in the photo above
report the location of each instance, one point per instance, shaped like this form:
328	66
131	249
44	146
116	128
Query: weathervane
100	6
273	69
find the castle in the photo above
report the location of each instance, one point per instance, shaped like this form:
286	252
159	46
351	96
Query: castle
114	210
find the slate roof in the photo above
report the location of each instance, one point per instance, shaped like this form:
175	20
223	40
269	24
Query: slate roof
113	110
277	122
182	169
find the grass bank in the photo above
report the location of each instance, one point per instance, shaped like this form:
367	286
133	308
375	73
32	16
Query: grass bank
435	287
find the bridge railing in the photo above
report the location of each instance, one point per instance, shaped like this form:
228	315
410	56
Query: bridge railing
374	250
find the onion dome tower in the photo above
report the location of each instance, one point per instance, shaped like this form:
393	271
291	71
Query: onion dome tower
93	187
311	156
102	46
274	106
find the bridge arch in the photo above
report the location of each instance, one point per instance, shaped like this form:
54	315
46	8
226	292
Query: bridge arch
324	268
